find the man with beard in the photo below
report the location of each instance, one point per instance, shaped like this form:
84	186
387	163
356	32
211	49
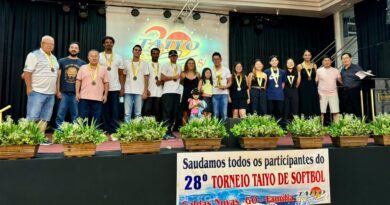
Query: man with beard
115	65
66	84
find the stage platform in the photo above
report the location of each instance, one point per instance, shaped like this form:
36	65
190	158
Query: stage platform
359	176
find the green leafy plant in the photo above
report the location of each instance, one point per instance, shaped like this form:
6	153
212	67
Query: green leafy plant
258	126
22	132
306	127
79	132
349	125
381	125
140	129
204	128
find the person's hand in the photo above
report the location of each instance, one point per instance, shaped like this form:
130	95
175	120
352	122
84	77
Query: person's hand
122	92
77	97
230	99
159	82
148	93
145	95
248	101
176	77
104	99
59	95
29	91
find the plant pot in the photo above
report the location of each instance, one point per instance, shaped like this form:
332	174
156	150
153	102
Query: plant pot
350	141
79	150
140	147
382	139
258	142
199	144
308	142
18	151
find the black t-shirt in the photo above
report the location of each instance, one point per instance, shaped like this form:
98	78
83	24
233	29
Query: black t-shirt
69	68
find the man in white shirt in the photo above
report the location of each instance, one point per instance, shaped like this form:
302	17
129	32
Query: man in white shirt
40	76
136	84
115	66
222	80
153	103
170	75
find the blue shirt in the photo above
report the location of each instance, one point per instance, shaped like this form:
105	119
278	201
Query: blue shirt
275	93
350	80
69	68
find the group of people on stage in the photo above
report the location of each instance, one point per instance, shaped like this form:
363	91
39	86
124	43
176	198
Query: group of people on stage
168	92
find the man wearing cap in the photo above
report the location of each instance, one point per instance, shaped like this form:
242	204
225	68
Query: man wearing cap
40	75
92	87
136	85
153	103
115	66
170	75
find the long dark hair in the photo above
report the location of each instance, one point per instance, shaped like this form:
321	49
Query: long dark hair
186	65
204	75
295	66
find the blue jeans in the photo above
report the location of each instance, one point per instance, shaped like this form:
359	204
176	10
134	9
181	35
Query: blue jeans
40	106
68	102
220	104
90	109
132	101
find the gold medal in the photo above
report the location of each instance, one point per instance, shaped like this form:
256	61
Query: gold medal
135	78
238	89
50	61
309	78
156	78
93	82
108	60
291	79
275	76
108	68
52	69
93	73
239	81
276	85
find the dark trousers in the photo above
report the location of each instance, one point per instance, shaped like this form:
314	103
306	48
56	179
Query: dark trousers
258	101
152	107
291	103
110	116
351	101
90	109
275	108
170	107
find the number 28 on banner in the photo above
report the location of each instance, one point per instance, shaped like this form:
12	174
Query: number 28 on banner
195	182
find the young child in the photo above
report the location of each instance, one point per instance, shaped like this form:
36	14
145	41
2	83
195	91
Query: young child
195	105
206	88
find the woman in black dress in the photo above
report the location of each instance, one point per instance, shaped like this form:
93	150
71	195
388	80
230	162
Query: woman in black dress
189	78
257	81
308	94
239	92
291	97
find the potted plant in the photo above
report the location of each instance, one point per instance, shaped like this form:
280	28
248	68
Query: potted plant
19	140
381	129
79	138
141	135
307	132
350	131
258	132
203	134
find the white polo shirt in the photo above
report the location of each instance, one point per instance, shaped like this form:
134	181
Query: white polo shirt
171	86
135	86
224	72
116	64
154	70
43	78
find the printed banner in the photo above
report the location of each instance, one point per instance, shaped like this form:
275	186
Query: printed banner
253	177
197	39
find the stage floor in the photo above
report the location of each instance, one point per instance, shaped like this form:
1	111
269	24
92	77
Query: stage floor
166	144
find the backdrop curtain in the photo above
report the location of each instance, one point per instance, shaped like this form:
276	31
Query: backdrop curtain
22	24
373	36
285	36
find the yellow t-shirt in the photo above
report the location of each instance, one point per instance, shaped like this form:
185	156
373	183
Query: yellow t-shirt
207	88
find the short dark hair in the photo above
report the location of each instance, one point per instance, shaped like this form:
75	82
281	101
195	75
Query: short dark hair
75	42
216	54
326	56
137	46
273	56
346	53
108	37
154	49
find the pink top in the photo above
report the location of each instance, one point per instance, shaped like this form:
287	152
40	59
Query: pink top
89	91
327	81
192	102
